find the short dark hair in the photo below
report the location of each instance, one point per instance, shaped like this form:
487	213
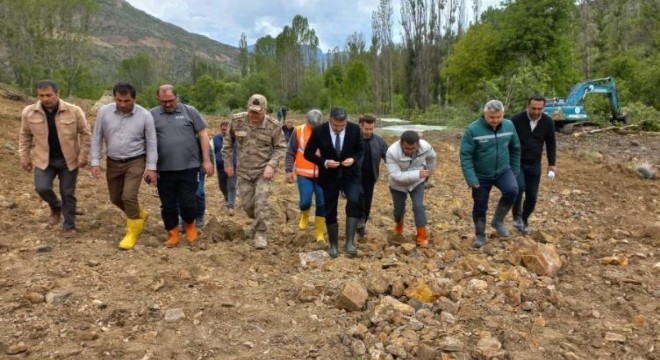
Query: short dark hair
536	98
367	118
224	122
124	88
47	83
338	113
410	137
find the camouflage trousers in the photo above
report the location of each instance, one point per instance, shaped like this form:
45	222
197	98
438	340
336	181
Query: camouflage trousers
255	195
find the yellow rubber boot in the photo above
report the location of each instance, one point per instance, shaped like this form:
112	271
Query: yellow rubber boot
144	215
191	232
173	239
304	219
134	228
319	225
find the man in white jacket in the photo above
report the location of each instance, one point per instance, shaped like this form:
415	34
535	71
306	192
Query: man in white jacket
410	162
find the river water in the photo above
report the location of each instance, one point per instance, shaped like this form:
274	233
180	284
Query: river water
392	126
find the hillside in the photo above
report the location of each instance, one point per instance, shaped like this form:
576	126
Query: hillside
120	31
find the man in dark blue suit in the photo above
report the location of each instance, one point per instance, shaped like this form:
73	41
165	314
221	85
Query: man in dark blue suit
336	147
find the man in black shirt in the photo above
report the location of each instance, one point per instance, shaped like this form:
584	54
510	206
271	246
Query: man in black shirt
375	149
534	129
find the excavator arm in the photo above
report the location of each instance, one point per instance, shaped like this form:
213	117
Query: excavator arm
571	110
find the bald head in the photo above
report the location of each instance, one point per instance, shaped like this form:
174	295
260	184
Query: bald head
167	98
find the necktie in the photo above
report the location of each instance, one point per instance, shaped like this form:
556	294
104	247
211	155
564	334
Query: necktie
338	144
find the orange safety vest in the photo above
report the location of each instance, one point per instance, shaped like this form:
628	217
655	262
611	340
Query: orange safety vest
302	166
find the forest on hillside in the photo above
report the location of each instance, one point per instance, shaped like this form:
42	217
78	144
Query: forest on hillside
446	65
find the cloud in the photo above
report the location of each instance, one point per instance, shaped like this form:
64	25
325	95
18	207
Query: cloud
224	20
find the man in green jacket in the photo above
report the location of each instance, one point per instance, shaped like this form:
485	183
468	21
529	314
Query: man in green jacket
490	156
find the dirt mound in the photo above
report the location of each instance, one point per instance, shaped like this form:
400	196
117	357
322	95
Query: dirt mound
82	298
107	98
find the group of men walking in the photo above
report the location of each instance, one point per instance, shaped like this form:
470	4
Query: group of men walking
169	147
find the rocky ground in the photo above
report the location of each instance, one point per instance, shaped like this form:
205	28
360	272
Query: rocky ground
82	298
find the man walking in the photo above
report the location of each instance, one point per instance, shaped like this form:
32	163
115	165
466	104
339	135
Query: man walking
128	131
375	149
260	148
410	163
307	174
60	135
534	129
490	156
178	128
335	148
227	183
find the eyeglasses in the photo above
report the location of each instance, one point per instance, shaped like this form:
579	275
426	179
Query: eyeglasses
167	102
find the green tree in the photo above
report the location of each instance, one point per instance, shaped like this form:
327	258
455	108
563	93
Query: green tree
473	59
243	55
541	31
356	83
137	70
206	93
333	81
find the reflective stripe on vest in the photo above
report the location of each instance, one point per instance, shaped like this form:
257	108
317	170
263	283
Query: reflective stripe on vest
302	166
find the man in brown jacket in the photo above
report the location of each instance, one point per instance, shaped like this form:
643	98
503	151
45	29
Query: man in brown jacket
61	138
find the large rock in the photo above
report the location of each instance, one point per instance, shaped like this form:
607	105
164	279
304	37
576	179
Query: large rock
539	258
420	291
352	297
312	257
425	352
377	285
389	306
57	297
490	348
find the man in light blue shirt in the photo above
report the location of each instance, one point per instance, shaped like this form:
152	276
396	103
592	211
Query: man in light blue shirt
128	131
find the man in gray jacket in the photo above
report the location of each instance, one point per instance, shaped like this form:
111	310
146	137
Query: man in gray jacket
375	149
410	162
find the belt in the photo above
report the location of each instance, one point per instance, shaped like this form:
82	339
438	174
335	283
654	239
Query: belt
127	159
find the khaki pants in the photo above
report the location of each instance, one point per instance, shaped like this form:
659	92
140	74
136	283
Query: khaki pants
124	178
255	195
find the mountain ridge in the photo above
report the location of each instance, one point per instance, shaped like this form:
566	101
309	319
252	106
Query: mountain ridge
121	31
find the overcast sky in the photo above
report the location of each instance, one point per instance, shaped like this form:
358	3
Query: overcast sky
225	20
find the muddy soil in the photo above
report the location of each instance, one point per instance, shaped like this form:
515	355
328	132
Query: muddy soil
83	298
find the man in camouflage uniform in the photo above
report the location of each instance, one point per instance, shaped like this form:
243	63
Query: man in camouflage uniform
260	148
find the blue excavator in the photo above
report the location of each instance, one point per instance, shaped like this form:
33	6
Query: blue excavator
569	112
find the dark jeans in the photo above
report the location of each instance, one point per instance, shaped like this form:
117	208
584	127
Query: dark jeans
228	187
507	184
528	183
366	198
43	185
176	189
200	194
417	197
351	187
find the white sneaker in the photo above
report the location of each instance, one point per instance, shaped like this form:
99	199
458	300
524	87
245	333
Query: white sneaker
260	242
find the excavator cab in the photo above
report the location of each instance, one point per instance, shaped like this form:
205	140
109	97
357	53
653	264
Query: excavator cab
570	112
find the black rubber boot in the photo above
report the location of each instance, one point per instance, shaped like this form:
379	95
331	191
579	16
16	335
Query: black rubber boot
498	220
362	228
480	232
333	238
351	227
